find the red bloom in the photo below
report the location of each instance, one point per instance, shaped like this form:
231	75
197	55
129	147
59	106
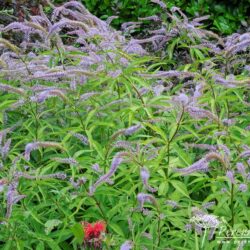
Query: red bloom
93	232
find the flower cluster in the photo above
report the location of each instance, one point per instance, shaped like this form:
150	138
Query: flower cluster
93	234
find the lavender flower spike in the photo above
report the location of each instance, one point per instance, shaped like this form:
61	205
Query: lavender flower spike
168	74
246	153
160	3
41	97
172	203
81	137
35	145
12	197
117	160
61	176
198	113
243	187
77	5
142	198
203	220
70	160
241	169
9	88
201	165
145	176
78	183
150	18
127	245
208	205
230	176
96	168
5	149
110	19
58	175
132	129
124	144
66	23
86	96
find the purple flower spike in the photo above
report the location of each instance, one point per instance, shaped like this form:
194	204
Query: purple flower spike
5	149
230	176
208	205
117	160
241	169
142	198
96	168
81	137
35	145
132	129
188	227
145	176
172	204
243	187
127	245
71	161
201	165
160	3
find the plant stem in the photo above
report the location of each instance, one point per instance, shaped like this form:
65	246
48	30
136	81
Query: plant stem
34	113
172	138
217	108
232	205
98	205
159	231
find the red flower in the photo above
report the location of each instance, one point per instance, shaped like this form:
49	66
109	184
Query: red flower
93	233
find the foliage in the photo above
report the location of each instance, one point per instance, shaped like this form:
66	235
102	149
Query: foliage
226	16
148	138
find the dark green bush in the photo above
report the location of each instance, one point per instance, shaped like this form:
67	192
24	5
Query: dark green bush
226	16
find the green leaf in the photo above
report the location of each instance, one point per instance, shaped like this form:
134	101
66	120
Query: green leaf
180	186
163	188
115	227
51	224
40	246
78	232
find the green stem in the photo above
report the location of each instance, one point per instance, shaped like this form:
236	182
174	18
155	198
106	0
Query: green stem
159	231
98	206
232	205
34	113
26	66
217	108
172	138
158	228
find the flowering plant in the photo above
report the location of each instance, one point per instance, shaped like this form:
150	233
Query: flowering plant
94	125
93	234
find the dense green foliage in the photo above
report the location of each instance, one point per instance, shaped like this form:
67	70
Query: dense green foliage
95	128
226	16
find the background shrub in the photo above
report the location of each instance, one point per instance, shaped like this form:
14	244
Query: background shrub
226	16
